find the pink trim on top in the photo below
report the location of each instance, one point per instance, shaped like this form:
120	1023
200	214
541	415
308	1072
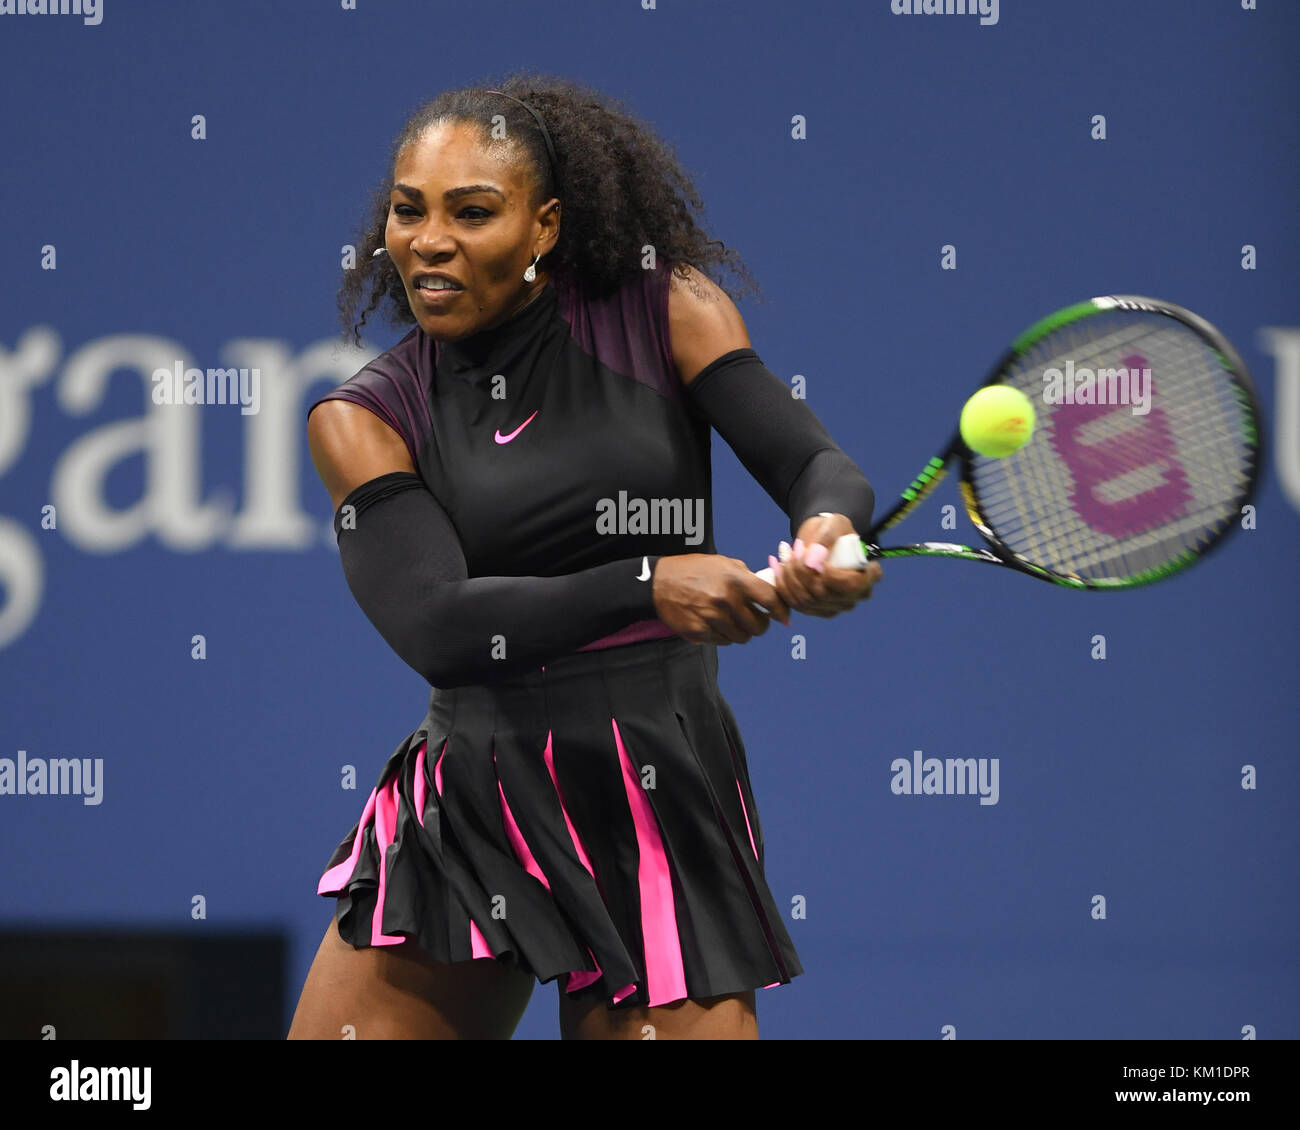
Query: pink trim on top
665	974
632	633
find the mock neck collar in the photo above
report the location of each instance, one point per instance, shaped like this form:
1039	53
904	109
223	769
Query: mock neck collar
489	349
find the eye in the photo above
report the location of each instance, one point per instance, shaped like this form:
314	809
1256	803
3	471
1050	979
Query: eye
408	210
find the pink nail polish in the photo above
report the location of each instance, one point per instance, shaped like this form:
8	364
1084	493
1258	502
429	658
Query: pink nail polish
773	563
815	558
798	548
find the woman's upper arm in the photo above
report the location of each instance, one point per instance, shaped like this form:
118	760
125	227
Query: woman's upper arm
350	445
703	323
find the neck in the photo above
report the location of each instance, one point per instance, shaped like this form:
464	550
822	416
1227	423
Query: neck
530	295
489	345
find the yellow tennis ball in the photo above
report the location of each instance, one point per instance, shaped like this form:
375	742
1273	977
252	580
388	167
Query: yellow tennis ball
997	420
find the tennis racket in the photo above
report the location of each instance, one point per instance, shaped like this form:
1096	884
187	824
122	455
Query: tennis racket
1146	448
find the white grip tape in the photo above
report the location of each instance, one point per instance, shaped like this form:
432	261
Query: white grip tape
846	553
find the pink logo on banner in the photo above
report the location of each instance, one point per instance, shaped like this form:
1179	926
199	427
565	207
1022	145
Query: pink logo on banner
1145	442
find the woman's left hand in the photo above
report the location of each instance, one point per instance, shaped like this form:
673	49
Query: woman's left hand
832	590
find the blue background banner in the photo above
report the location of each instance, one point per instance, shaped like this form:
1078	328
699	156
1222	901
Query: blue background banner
840	148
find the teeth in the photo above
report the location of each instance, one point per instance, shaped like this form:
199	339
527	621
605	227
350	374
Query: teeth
437	284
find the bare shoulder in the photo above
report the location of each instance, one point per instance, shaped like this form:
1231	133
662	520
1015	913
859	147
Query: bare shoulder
703	322
350	445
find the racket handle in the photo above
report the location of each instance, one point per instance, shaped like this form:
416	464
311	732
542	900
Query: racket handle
846	553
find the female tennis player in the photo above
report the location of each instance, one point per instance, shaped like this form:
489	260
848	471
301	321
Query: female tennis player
522	493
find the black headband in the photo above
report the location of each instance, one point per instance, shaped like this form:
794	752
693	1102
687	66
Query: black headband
541	125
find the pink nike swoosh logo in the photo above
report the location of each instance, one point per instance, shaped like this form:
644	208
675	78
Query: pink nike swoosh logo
506	439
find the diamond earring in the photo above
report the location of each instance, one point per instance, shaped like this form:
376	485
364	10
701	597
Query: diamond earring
531	273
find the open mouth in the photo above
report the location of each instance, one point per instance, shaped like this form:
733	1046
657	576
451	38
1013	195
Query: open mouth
437	284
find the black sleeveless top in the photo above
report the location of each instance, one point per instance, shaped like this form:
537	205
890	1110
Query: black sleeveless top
557	441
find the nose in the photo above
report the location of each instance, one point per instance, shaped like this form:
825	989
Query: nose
431	241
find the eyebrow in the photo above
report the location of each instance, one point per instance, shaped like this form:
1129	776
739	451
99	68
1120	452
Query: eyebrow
451	193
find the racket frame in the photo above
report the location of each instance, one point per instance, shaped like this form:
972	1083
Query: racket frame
956	451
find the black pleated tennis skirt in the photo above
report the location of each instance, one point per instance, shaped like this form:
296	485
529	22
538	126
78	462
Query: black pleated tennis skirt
591	820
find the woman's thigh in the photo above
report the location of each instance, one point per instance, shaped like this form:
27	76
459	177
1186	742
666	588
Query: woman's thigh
729	1017
398	993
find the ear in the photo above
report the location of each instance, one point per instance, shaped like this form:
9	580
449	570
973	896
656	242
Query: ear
548	224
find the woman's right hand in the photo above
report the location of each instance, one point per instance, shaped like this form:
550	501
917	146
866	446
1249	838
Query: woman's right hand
705	598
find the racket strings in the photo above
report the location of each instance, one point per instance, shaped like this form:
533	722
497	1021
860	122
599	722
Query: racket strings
1074	540
1110	491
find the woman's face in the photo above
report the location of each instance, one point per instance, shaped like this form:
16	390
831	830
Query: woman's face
461	210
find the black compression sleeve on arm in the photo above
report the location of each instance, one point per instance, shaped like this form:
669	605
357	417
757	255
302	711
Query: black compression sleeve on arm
404	564
780	441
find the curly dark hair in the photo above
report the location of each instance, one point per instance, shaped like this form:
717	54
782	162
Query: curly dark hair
620	187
